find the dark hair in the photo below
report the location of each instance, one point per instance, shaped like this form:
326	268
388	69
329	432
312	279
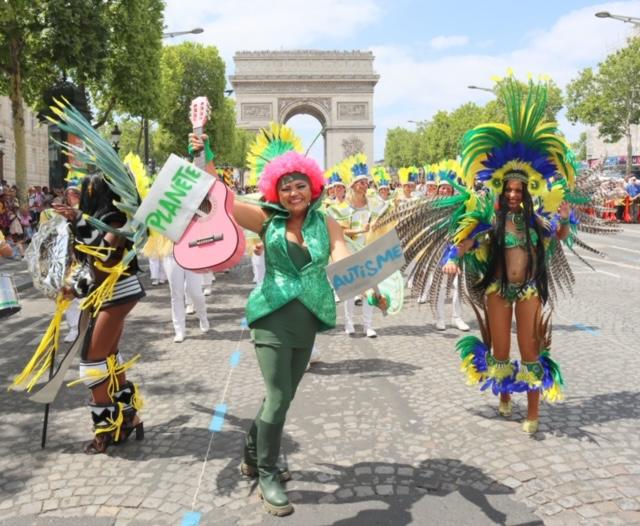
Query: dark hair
497	256
96	198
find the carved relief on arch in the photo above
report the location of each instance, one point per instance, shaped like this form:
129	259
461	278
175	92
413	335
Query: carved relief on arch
352	145
261	111
353	111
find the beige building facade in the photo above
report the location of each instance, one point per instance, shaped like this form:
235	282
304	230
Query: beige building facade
37	145
599	151
335	87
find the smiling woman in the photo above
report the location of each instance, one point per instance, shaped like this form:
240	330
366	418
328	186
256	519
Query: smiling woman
294	300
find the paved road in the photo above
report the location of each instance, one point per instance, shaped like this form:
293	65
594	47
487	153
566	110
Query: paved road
382	431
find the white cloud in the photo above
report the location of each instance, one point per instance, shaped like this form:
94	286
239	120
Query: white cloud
442	42
413	88
251	25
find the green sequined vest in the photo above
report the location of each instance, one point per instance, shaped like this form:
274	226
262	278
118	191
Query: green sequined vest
283	282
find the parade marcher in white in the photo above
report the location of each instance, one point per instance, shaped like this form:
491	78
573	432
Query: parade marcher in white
356	220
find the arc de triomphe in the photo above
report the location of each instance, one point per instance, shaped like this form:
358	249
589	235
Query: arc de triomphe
335	87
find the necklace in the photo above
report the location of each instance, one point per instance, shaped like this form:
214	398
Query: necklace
517	220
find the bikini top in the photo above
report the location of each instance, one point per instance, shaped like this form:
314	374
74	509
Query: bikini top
512	240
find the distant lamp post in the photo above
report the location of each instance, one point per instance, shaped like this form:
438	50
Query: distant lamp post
481	88
115	138
145	121
2	141
195	31
623	18
228	92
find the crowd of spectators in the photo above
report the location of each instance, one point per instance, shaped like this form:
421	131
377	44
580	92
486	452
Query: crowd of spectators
621	198
19	221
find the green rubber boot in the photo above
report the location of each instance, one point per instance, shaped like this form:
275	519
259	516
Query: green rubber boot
249	466
270	489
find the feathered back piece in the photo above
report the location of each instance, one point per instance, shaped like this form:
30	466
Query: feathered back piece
408	174
380	176
277	151
527	148
96	151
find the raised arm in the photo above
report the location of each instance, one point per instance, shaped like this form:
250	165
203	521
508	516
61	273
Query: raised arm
564	229
248	216
451	266
338	245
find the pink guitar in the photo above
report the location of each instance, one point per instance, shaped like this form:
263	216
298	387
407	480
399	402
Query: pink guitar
213	240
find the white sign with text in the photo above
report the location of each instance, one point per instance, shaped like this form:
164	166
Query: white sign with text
367	267
174	198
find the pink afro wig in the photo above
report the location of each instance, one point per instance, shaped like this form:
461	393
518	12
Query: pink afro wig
288	163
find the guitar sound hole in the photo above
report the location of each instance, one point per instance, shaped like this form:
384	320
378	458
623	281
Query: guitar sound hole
206	209
206	206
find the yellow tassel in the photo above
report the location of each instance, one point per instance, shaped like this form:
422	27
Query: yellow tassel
136	400
46	350
116	425
104	292
96	252
113	370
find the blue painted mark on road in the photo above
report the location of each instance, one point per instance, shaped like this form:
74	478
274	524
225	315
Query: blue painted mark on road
218	418
235	359
590	330
191	518
631	258
244	324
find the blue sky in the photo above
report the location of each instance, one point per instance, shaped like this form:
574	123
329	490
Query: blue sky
426	52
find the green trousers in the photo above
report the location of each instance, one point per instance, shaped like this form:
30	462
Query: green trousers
282	369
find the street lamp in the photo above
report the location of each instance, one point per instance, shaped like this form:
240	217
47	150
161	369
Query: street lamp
145	121
115	138
2	141
195	31
481	88
629	19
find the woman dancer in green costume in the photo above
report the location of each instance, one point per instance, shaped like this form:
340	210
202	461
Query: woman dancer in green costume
295	300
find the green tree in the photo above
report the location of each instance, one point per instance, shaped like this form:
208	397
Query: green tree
441	138
494	110
580	147
609	98
401	147
187	71
95	43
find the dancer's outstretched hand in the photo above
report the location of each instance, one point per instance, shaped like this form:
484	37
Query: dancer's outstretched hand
451	268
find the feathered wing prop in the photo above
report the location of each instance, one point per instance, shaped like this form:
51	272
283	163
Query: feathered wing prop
129	186
426	228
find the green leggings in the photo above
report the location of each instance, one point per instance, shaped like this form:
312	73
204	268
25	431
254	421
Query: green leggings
282	369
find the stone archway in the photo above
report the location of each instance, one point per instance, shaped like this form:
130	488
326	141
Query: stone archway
335	87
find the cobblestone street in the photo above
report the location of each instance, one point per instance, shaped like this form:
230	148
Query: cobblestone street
382	431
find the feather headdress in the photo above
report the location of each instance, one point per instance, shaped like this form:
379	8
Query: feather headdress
448	171
381	176
333	176
527	148
354	168
277	151
408	174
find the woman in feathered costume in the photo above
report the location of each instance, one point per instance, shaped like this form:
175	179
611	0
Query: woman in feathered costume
508	243
107	243
295	300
